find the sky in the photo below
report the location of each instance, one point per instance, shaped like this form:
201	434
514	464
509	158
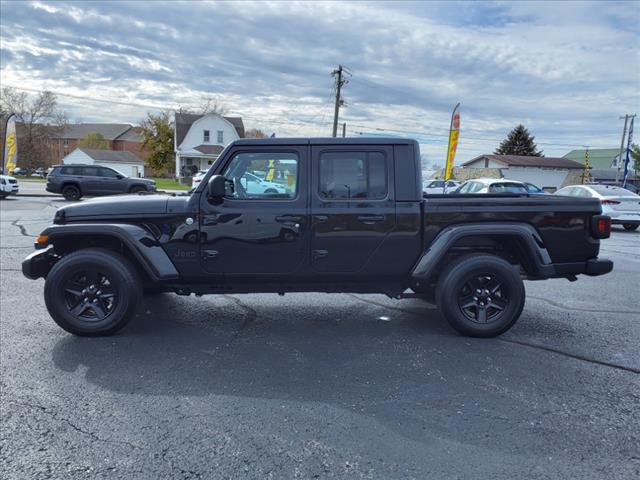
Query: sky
567	71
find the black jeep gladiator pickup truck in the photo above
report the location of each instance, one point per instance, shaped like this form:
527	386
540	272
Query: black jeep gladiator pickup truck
349	217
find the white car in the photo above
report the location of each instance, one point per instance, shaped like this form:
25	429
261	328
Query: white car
619	203
253	184
8	186
492	185
439	187
197	178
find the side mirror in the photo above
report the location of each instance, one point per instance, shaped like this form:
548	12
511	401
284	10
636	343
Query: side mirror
216	187
119	177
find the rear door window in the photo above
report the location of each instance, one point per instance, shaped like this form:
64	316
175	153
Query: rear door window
90	171
71	171
353	175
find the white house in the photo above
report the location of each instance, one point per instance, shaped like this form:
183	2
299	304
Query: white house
124	162
199	140
548	173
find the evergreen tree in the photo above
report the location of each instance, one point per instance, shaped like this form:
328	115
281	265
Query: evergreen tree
519	142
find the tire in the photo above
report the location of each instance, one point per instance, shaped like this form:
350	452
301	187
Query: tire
3	196
630	227
71	193
137	189
270	191
480	295
116	291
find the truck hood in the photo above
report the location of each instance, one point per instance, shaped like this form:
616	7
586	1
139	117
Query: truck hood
122	206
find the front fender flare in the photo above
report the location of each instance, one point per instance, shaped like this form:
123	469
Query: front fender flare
529	238
145	248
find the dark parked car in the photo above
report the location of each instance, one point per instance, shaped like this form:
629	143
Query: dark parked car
74	181
351	219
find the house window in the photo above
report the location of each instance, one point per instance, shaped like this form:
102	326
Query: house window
65	142
220	137
206	135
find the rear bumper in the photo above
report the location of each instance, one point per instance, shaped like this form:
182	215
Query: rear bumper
39	263
626	221
592	267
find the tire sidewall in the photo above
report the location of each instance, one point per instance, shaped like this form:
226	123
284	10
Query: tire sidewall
122	277
68	197
452	281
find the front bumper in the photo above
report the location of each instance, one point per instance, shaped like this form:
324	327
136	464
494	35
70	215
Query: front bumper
39	263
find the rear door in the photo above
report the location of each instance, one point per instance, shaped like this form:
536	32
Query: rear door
91	184
352	206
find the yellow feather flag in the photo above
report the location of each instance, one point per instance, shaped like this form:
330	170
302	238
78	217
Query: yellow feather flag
454	134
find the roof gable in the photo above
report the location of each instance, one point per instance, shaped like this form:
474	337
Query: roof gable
111	156
598	157
185	120
109	131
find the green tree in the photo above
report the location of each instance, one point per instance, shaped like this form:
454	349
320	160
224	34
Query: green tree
519	142
157	140
94	140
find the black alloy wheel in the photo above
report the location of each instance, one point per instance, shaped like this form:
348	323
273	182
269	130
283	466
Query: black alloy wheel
90	295
71	193
483	298
480	295
92	292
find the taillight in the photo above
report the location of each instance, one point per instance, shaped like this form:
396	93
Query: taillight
601	226
610	202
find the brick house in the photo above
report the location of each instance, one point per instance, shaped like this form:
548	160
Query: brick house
119	137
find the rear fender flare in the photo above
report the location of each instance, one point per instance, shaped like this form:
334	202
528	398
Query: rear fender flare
527	235
145	248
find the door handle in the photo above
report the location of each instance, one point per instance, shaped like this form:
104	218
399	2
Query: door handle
321	218
371	218
317	254
288	218
210	253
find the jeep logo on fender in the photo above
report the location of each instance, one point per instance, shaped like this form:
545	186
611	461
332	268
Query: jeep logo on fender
185	254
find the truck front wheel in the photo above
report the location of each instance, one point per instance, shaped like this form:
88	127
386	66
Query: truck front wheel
92	292
480	295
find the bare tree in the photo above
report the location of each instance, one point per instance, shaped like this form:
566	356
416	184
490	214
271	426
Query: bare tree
254	133
212	105
38	120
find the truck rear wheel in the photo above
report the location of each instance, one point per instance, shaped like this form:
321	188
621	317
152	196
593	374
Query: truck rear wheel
630	226
92	292
481	295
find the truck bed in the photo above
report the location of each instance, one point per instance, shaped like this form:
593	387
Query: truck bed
562	222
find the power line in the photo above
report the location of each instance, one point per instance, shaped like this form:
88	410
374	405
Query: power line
301	122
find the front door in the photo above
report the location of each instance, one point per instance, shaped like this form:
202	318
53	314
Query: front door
260	227
352	207
109	181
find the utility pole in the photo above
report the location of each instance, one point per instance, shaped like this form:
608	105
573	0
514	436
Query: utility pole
340	81
624	134
344	129
587	166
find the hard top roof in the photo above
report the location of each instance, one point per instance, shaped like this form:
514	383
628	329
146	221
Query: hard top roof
326	141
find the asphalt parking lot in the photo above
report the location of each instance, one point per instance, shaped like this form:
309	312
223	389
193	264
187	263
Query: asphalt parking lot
320	386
